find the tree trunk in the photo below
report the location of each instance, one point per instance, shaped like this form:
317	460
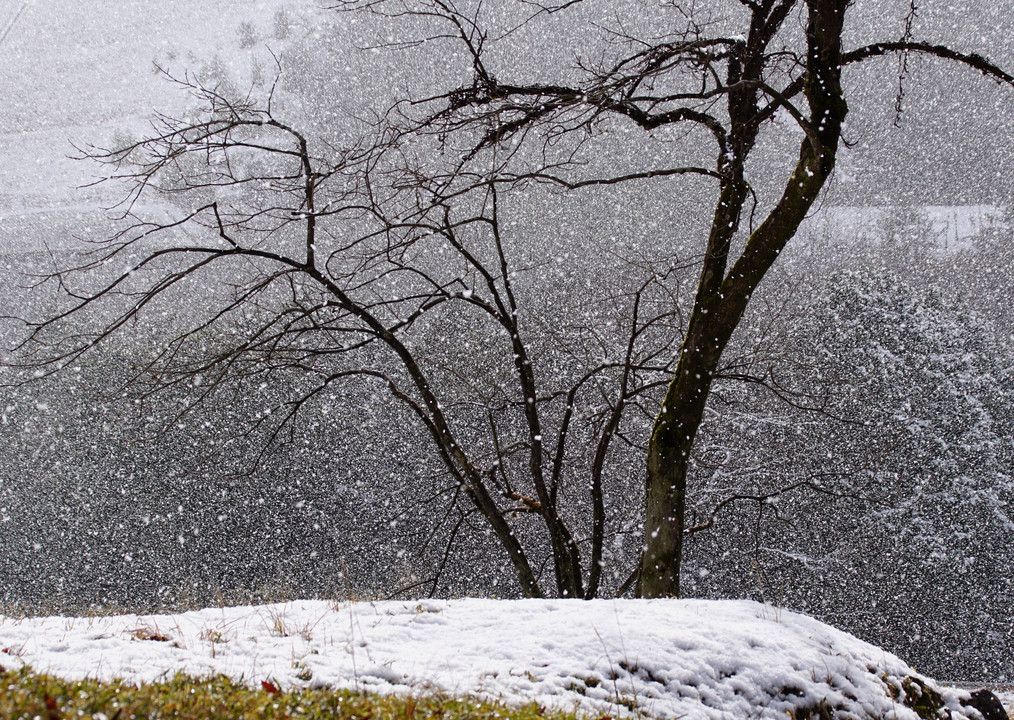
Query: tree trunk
720	305
669	457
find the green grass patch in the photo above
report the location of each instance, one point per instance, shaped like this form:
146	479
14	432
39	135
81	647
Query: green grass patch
25	694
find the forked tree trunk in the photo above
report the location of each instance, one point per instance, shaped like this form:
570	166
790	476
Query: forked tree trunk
720	306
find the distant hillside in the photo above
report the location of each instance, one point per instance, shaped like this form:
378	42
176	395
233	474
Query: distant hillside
77	73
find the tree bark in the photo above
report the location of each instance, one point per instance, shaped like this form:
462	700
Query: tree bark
720	305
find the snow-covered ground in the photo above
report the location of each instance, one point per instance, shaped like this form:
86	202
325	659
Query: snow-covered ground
665	658
951	226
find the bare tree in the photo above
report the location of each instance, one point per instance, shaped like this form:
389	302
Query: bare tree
318	271
726	82
322	270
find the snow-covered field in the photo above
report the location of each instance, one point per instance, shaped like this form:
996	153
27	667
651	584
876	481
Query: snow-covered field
665	658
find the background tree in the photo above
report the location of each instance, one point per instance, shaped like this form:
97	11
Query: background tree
905	433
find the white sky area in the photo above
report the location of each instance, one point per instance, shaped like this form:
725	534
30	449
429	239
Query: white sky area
669	658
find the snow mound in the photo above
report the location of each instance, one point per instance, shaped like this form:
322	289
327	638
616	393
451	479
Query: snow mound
662	658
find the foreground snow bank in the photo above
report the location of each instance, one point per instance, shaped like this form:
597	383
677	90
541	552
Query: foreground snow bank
666	658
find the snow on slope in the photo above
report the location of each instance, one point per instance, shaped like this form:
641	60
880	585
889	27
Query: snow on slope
952	225
80	73
668	658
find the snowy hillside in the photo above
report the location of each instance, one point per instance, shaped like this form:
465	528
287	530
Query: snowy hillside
947	227
78	74
695	659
